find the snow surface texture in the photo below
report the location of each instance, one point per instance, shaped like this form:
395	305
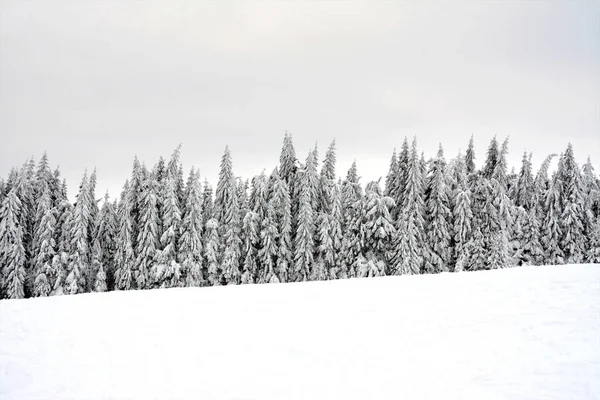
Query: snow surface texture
522	333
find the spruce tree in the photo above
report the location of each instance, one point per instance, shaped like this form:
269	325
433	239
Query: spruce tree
304	241
207	203
551	227
525	185
352	242
227	213
190	242
493	153
379	228
79	259
62	235
470	157
251	234
336	233
147	240
268	247
98	268
125	256
281	203
325	257
327	179
211	252
410	246
437	205
43	243
12	252
106	233
572	218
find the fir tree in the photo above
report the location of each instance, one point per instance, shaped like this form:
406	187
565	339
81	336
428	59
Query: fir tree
106	234
98	268
493	153
336	233
525	185
226	211
304	241
438	254
125	257
43	243
379	226
551	229
211	252
325	252
327	179
470	157
268	248
147	240
207	203
572	218
190	241
62	235
251	230
410	226
281	203
79	259
12	252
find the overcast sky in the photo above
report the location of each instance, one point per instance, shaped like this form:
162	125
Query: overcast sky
96	82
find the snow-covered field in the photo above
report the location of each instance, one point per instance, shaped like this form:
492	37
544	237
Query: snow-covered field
523	333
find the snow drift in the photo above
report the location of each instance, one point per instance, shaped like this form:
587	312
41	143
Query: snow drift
523	333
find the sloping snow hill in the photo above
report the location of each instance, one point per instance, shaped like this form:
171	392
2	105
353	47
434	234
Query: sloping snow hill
523	333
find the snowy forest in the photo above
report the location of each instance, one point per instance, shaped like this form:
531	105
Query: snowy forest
301	222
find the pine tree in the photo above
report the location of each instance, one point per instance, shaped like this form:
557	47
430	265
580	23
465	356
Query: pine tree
304	241
190	241
259	196
463	217
251	230
551	229
336	233
24	187
211	252
43	243
207	202
593	253
572	218
106	234
93	206
226	212
409	246
62	235
353	241
379	226
437	205
12	252
281	203
79	258
325	257
98	268
470	158
268	248
525	186
327	179
147	240
491	160
125	257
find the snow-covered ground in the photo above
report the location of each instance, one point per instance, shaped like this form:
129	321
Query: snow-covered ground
522	333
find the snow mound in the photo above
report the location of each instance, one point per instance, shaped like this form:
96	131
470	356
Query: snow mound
522	333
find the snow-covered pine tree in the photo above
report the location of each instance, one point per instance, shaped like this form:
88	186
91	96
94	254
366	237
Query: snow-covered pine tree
438	228
12	252
379	230
259	196
62	235
25	190
325	259
207	203
106	234
98	268
541	185
493	153
211	252
392	184
527	229
190	242
593	252
463	217
227	213
501	219
470	157
43	243
280	198
327	179
524	196
93	206
57	194
167	271
410	246
572	218
551	230
79	258
268	247
147	240
352	241
242	197
138	174
336	233
251	234
125	256
304	240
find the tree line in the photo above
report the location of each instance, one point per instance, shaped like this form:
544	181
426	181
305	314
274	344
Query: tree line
295	224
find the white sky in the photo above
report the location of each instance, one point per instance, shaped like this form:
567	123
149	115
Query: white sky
95	82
